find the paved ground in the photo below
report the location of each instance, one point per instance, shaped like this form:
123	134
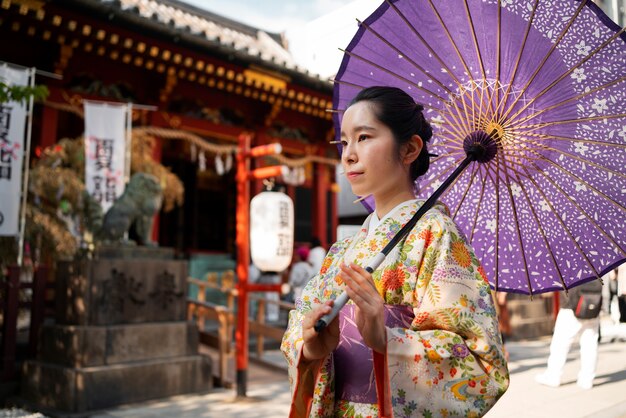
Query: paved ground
268	390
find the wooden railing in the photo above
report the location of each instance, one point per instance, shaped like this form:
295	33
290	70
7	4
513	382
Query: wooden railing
11	306
223	339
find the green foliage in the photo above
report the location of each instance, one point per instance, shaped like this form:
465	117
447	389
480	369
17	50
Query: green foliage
21	93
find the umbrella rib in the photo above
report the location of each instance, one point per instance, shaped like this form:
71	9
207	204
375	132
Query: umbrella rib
456	49
517	61
469	185
429	184
496	246
570	139
466	120
451	185
608	170
498	58
347	83
548	137
568	72
459	121
480	199
518	229
503	152
471	25
484	115
373	64
453	126
578	247
432	51
608	198
542	232
497	184
584	213
547	56
578	97
416	65
480	109
565	121
477	123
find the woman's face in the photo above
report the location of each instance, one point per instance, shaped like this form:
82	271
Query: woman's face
370	157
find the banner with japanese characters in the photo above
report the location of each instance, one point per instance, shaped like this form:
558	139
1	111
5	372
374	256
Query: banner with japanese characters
105	150
12	128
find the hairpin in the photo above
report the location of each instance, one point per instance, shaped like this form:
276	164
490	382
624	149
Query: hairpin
361	198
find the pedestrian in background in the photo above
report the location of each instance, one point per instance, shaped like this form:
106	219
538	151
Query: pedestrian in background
316	254
301	272
568	326
272	310
621	292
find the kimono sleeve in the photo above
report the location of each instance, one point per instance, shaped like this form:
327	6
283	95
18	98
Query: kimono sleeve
312	383
450	361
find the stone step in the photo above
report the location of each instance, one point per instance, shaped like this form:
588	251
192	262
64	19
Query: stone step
537	308
78	390
85	346
530	329
530	318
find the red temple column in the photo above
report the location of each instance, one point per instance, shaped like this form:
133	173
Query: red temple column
320	203
49	123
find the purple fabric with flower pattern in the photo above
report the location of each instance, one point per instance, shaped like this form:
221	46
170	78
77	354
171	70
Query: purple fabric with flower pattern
354	366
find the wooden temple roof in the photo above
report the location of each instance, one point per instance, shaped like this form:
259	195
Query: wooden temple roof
209	31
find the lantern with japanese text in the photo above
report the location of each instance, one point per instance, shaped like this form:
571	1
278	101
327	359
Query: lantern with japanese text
271	231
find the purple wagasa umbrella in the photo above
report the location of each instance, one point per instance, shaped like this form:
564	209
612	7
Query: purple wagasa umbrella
547	79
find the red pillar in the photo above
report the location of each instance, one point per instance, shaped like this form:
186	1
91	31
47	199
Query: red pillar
49	123
556	305
320	215
243	261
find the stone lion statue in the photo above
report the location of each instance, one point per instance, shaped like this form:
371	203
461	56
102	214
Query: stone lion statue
137	206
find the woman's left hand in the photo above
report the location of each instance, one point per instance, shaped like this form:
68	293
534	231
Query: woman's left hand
370	311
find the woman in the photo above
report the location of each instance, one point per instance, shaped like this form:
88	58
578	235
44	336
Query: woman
419	336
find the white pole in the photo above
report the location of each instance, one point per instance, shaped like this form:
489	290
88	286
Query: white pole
129	142
26	160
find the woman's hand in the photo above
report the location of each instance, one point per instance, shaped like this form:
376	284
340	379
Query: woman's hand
370	311
319	345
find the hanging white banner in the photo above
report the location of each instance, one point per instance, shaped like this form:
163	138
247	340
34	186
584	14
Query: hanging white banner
105	149
12	126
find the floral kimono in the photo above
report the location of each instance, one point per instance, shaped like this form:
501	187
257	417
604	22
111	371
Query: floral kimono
444	353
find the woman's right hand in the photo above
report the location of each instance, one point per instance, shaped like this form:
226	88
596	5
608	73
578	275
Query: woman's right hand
319	345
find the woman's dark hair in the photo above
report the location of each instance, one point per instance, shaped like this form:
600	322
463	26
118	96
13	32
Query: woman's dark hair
403	116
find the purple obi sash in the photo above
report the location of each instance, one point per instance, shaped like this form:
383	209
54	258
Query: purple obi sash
354	365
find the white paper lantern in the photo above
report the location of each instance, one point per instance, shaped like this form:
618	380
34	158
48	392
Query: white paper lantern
271	231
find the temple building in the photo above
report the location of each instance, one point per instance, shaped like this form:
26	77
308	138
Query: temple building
193	72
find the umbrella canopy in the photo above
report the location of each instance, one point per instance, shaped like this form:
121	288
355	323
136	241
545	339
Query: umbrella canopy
548	80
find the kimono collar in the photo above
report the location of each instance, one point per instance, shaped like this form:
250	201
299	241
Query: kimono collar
374	221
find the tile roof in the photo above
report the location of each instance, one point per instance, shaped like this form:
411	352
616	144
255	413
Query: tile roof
173	14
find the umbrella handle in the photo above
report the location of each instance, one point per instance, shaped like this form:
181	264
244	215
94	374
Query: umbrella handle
342	299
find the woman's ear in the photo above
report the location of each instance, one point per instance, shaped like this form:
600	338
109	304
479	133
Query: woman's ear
412	149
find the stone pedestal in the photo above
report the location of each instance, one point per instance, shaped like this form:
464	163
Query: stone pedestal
120	334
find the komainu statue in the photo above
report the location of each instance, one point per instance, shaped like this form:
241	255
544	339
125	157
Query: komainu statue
137	206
